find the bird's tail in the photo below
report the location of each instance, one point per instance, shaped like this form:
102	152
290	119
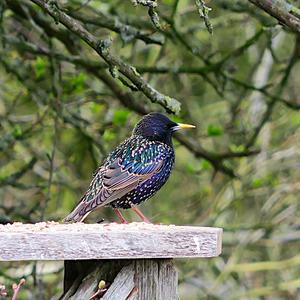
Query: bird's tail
78	214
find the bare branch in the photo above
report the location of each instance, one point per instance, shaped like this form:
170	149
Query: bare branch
127	99
203	12
127	32
281	10
16	288
102	48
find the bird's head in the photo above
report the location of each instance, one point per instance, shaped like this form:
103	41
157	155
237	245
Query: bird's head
157	127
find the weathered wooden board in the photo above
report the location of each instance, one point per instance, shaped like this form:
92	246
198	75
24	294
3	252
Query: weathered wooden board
136	279
54	241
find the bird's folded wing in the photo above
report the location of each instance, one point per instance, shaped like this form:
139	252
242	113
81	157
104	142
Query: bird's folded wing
114	181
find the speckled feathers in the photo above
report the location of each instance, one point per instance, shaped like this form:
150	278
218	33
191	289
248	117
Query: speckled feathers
134	171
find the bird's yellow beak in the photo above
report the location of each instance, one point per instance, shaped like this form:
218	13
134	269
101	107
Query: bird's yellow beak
185	126
182	126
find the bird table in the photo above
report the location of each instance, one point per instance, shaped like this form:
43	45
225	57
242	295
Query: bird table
111	261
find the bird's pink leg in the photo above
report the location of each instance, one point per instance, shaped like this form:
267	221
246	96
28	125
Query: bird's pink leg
118	213
140	214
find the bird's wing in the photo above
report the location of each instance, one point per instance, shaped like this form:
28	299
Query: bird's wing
121	175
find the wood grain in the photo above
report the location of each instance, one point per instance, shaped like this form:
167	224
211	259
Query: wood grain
137	279
54	241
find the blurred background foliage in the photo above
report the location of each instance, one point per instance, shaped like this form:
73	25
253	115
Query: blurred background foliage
63	109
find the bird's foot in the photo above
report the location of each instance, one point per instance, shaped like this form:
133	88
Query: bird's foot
141	215
120	216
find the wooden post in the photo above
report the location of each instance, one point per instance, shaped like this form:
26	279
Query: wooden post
133	261
130	279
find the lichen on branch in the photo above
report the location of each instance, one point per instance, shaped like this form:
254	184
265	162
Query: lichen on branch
102	48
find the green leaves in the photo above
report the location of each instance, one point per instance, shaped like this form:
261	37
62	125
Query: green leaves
96	108
237	148
40	67
205	165
109	135
268	180
120	116
214	130
77	83
17	131
193	168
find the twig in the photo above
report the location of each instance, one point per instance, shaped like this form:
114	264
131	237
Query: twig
12	179
154	18
102	288
127	32
16	288
203	12
294	57
149	3
57	95
127	99
281	10
102	48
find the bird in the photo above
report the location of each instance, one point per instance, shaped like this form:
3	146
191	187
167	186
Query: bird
134	171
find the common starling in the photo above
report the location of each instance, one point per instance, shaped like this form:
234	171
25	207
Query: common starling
134	171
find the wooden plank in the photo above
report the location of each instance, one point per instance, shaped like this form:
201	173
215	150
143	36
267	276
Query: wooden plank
123	287
54	241
82	277
136	279
156	279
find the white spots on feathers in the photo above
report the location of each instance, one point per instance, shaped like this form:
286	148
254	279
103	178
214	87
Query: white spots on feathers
137	156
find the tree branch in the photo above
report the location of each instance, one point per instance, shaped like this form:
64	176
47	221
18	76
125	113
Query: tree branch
127	99
281	10
115	63
127	32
